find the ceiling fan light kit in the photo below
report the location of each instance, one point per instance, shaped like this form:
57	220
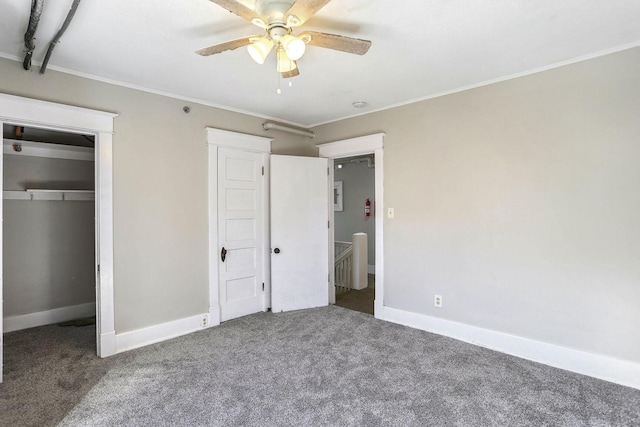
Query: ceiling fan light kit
259	49
293	46
285	64
278	18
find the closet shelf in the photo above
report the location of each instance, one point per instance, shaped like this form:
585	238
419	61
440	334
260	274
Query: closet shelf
60	195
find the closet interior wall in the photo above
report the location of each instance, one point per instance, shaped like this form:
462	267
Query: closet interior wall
49	241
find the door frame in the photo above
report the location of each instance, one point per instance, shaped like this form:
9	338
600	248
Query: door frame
47	115
369	144
219	138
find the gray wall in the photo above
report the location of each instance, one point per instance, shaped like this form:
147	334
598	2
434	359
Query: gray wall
519	203
358	186
48	245
160	189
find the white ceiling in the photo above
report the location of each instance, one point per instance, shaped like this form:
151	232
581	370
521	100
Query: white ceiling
421	48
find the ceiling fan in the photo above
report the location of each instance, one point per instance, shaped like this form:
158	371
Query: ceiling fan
278	18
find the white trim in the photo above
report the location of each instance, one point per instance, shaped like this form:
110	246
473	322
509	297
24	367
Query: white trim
47	114
485	83
108	341
52	151
312	125
331	233
1	260
104	244
594	365
153	91
353	147
218	138
25	111
371	269
48	317
240	141
214	294
153	334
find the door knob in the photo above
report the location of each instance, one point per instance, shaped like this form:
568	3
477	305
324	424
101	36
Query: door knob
223	254
276	250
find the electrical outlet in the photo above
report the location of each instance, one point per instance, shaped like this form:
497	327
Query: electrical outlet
437	301
391	213
204	322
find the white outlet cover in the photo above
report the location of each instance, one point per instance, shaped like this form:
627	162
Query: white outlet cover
390	213
437	300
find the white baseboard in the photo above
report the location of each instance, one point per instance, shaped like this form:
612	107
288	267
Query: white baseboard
107	345
214	315
371	269
594	365
157	333
41	318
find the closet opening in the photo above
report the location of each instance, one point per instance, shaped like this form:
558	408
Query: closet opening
49	238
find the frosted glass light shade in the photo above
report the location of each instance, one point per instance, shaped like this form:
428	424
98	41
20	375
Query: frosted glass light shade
294	47
260	49
285	64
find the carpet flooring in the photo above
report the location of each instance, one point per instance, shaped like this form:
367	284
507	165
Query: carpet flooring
321	367
47	371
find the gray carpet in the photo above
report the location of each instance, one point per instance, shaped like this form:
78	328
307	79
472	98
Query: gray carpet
47	371
332	366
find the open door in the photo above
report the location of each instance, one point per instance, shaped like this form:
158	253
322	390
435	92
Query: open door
1	255
299	237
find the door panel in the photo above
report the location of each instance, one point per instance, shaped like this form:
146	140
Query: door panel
299	231
240	226
1	255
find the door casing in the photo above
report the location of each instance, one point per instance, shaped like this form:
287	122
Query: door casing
369	144
216	139
17	110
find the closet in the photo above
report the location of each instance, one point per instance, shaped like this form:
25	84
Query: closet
48	226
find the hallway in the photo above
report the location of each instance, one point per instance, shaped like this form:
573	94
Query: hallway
361	300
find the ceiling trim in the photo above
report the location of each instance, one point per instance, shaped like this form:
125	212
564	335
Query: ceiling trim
490	82
153	91
313	125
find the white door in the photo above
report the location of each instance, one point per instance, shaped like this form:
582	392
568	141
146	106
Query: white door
299	233
1	255
241	244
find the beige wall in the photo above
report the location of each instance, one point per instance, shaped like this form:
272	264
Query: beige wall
160	189
519	202
48	257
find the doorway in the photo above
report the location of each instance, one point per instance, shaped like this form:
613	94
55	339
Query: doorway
19	111
370	145
272	211
354	232
48	227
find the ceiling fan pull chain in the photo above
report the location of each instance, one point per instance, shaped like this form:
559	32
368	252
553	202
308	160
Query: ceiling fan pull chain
279	90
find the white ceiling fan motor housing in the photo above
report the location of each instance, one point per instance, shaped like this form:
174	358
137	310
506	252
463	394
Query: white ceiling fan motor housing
274	10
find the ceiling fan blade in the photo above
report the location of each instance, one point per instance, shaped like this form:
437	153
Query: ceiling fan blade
292	73
336	42
238	8
305	9
234	44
